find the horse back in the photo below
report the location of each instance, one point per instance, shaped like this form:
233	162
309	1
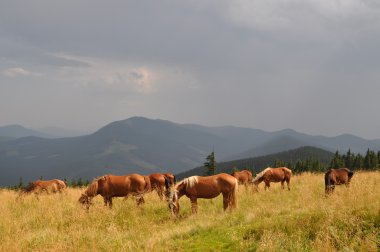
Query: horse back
211	186
157	179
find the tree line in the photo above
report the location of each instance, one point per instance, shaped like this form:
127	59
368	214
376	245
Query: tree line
350	160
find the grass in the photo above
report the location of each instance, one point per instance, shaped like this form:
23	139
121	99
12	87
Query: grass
300	220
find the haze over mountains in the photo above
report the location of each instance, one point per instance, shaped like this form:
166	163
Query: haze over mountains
16	131
143	145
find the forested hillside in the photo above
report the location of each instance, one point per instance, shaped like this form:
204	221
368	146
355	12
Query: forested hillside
315	158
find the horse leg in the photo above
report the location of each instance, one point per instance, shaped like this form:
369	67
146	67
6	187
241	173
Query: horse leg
267	185
282	185
159	192
110	202
288	184
226	201
105	201
194	205
140	200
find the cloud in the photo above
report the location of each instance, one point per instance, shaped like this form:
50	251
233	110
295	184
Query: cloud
17	71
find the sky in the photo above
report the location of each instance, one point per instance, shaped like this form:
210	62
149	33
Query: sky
309	65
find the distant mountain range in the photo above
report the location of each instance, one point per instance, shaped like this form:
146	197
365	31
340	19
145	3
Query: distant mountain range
258	164
143	145
16	131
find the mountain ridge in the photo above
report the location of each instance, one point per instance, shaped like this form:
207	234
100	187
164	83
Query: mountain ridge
144	145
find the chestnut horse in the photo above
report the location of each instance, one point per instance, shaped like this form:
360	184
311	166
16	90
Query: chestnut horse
110	186
206	188
48	186
244	177
281	174
157	181
341	176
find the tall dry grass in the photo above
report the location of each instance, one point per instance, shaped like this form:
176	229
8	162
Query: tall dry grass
300	220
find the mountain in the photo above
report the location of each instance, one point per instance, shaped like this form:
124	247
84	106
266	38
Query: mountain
144	146
257	164
17	131
133	145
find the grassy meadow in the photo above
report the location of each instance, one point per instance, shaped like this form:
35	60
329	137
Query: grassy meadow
300	220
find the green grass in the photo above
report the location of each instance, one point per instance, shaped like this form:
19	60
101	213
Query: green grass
300	220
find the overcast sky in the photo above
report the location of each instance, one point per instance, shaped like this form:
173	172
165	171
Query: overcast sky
310	65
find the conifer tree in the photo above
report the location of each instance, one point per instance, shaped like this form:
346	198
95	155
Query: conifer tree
210	164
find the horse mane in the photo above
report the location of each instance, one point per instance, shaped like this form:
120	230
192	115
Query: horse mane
191	181
92	189
188	182
261	174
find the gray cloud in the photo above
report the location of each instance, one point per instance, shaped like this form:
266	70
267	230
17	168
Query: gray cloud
303	64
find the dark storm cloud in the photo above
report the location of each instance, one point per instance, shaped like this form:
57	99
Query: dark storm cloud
265	64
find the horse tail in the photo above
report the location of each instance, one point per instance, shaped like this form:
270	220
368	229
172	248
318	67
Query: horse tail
234	194
327	180
249	176
148	185
175	180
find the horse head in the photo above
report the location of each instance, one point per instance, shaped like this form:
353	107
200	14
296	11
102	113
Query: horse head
171	196
85	200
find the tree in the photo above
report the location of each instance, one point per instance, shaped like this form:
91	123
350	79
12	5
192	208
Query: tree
349	160
21	183
337	161
358	161
210	164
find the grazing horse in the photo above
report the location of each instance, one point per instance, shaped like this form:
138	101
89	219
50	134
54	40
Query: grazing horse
341	176
206	188
110	186
157	181
244	177
281	174
48	186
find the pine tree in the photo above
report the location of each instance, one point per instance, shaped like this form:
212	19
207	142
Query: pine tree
337	161
367	160
210	164
20	183
349	160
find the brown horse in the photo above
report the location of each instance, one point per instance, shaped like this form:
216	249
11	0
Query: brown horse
157	181
341	176
110	186
244	177
206	188
281	174
48	186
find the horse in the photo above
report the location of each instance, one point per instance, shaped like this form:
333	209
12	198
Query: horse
48	186
157	181
203	187
109	186
341	176
281	174
244	177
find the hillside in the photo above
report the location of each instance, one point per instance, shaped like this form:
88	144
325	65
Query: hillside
144	146
301	219
259	163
